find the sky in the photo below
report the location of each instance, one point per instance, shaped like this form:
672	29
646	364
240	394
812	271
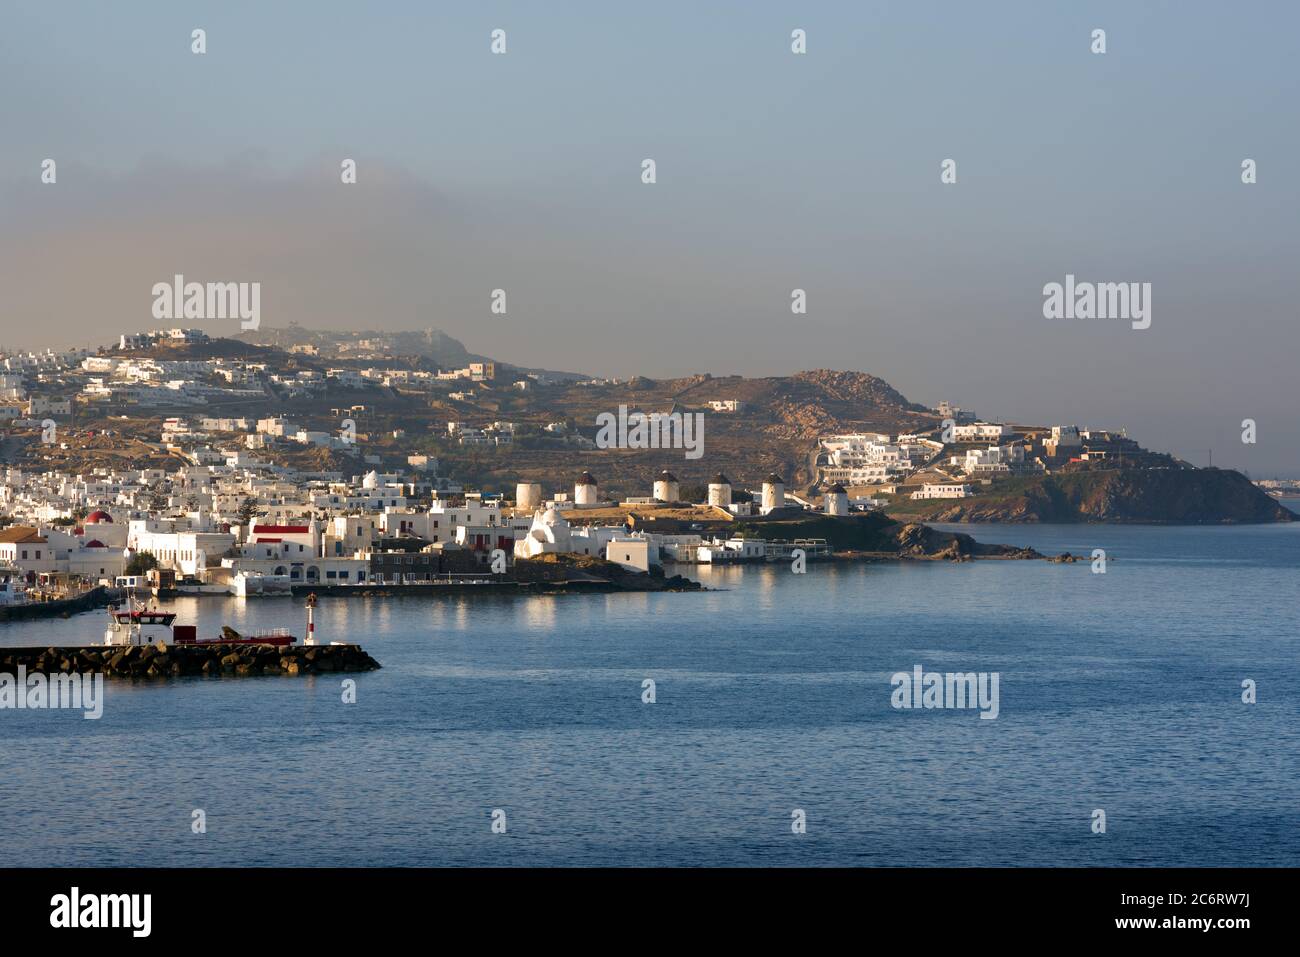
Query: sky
775	172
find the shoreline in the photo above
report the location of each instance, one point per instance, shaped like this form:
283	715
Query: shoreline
102	597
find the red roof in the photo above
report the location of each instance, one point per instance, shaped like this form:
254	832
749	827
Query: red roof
95	543
97	516
300	529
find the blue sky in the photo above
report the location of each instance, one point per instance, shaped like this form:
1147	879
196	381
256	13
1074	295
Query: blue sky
775	171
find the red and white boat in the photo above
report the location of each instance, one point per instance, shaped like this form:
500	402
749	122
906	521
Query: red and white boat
141	625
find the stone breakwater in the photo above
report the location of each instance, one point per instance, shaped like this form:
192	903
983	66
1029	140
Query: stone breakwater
176	661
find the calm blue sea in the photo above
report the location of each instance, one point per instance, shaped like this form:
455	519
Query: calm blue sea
1119	692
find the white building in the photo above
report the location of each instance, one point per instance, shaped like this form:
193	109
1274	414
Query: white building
631	553
48	405
980	432
1065	440
837	500
549	532
994	459
667	488
941	490
528	495
278	426
720	491
773	493
585	491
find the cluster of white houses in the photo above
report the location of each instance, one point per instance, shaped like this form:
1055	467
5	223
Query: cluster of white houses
953	459
126	376
145	372
228	529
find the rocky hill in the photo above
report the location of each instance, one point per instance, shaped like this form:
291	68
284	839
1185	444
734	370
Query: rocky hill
432	344
1149	496
774	431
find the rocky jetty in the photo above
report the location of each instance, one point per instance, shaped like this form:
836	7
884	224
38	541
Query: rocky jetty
174	661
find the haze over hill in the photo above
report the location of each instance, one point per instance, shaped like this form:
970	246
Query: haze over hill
430	343
435	345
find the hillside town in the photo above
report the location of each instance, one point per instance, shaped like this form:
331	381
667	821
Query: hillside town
249	530
174	461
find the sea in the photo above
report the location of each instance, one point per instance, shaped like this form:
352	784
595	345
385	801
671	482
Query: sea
752	724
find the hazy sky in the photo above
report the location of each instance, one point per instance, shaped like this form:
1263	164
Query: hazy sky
775	171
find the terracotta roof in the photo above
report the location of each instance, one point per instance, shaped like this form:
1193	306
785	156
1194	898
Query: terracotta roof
20	534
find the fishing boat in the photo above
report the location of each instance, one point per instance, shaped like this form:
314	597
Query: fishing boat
138	624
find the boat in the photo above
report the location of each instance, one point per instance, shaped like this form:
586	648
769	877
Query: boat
138	624
13	589
248	584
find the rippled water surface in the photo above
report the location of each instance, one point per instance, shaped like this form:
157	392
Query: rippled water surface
1119	691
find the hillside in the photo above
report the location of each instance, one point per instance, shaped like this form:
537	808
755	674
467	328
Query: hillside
425	348
432	344
553	421
779	423
1152	496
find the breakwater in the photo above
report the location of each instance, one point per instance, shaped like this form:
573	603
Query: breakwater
214	659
